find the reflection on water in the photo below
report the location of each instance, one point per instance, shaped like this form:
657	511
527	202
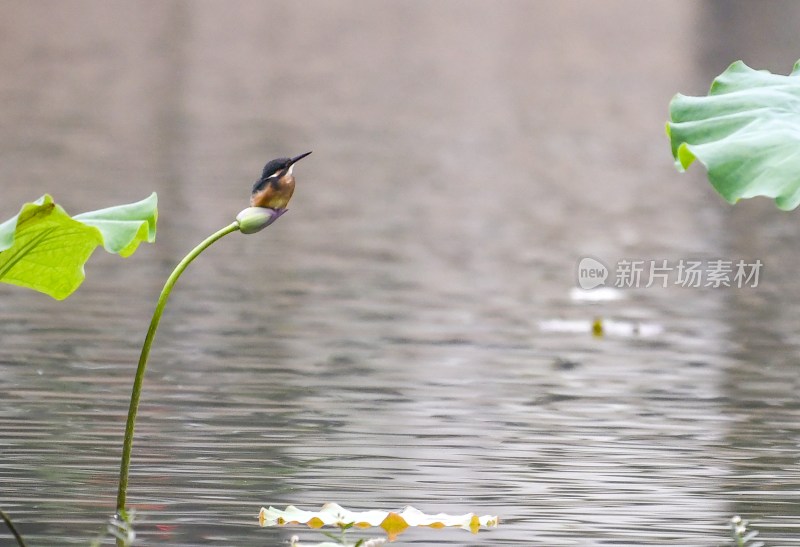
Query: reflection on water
380	345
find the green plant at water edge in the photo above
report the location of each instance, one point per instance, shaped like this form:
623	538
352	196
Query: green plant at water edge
741	537
746	133
338	541
119	527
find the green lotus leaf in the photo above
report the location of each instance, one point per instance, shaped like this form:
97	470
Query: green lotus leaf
45	249
746	133
125	226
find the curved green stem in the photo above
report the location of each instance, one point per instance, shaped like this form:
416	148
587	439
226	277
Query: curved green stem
11	527
148	341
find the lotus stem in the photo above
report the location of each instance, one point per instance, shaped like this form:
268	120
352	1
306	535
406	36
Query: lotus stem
148	342
13	528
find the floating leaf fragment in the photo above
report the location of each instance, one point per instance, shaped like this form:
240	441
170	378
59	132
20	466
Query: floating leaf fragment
45	249
599	294
393	523
600	327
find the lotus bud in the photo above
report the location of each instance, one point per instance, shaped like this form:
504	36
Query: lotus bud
255	219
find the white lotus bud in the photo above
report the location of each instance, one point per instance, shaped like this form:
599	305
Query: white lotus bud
255	219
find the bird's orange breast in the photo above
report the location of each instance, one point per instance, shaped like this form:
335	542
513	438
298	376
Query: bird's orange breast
275	195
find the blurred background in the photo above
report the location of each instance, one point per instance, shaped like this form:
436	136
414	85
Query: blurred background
383	343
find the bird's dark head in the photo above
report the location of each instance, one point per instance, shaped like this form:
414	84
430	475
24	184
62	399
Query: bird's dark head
280	167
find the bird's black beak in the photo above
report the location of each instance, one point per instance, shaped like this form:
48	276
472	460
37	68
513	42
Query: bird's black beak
298	158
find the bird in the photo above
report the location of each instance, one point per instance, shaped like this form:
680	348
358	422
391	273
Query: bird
275	187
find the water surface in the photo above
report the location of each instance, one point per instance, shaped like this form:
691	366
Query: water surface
381	345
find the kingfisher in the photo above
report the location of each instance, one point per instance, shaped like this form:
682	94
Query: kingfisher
275	187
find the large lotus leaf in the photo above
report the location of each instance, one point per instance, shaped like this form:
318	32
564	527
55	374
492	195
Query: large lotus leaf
746	133
392	523
45	249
